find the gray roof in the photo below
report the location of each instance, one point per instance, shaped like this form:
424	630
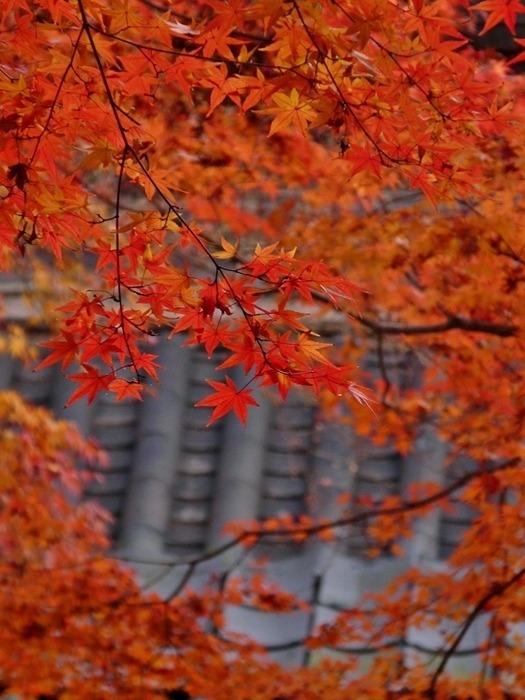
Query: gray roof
173	484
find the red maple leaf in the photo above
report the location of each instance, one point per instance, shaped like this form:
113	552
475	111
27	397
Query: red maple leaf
91	382
64	349
226	398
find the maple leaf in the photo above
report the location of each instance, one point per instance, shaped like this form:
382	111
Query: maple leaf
146	361
366	99
91	382
516	59
290	110
125	389
364	158
65	349
249	354
308	348
505	11
226	398
190	318
228	251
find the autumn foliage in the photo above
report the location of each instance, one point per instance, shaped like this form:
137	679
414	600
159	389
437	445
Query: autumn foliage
233	170
92	160
75	623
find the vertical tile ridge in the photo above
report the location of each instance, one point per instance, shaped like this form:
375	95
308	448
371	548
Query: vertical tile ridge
160	428
426	462
241	465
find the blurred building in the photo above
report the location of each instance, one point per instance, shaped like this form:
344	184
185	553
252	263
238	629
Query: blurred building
173	484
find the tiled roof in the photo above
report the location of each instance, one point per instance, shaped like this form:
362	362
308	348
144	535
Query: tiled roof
173	484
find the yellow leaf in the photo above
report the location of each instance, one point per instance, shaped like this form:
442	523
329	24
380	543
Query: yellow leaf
290	111
228	250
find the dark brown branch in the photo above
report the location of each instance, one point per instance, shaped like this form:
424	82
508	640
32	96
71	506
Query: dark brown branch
403	507
452	323
496	590
362	651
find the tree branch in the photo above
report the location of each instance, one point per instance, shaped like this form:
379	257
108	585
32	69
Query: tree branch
452	323
496	590
249	537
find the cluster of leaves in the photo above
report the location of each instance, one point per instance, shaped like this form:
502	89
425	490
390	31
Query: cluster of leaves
74	622
264	120
482	584
91	160
479	589
445	301
89	62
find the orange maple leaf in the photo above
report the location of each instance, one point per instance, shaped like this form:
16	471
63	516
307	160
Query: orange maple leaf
505	11
124	389
290	110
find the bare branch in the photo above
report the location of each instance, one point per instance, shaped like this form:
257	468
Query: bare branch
452	323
